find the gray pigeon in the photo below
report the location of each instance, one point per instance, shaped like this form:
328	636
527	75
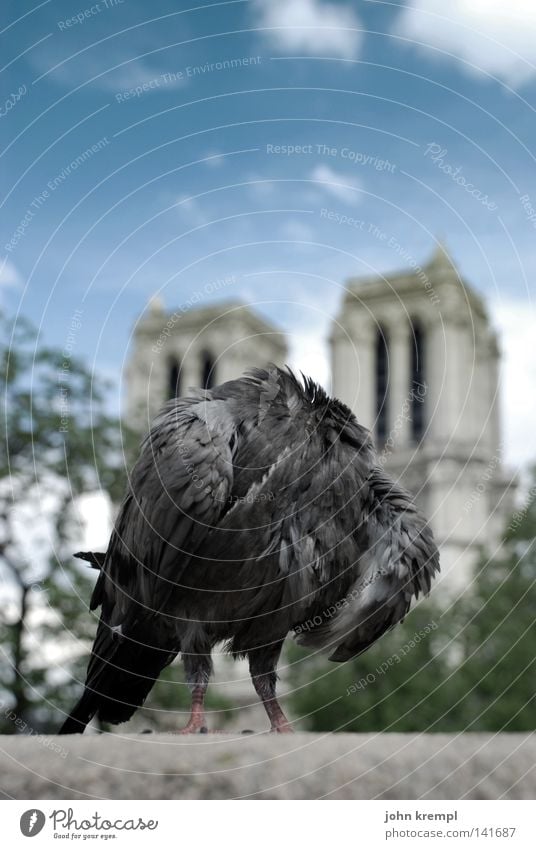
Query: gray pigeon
255	509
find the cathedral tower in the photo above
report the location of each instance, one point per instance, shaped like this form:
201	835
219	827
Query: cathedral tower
201	346
415	357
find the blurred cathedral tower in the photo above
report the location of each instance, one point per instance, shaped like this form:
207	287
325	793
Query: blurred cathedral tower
198	346
415	357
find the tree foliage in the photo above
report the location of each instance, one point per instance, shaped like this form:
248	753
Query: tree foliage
59	442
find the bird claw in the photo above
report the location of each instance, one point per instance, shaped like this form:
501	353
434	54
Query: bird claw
198	729
193	728
284	728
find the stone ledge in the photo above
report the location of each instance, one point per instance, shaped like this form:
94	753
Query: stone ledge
266	766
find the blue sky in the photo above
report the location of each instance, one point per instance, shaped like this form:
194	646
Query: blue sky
182	107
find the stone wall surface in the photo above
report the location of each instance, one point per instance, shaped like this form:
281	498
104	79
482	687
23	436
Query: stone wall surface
266	766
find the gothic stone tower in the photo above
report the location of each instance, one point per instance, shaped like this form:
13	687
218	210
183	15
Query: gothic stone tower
202	346
415	357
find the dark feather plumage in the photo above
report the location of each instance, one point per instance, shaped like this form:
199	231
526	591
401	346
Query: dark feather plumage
255	509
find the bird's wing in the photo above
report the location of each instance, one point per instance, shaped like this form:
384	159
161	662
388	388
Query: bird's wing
397	564
287	540
177	491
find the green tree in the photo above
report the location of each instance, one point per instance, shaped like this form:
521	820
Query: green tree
386	688
497	679
59	441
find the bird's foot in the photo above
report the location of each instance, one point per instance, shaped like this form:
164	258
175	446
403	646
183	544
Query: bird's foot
195	725
282	728
198	727
190	729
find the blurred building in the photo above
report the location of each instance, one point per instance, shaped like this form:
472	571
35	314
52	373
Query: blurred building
201	346
415	357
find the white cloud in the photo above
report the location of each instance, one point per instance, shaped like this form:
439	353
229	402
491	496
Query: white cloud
191	211
313	26
260	185
340	186
515	321
297	231
494	36
215	159
136	73
100	68
9	274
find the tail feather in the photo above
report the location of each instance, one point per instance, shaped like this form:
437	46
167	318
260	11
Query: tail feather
82	713
121	672
95	558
